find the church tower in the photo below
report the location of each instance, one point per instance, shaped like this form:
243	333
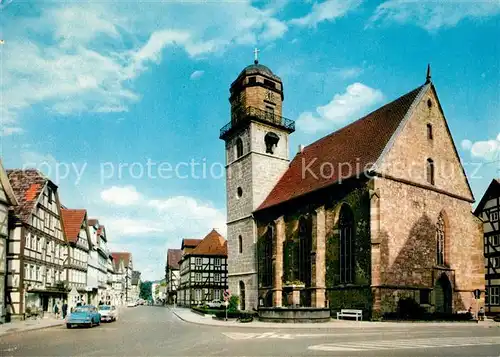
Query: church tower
256	156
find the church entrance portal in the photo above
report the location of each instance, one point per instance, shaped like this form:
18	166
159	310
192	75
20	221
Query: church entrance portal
442	291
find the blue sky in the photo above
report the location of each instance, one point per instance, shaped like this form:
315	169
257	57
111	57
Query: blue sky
91	86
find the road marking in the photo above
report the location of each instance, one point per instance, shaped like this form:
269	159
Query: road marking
407	344
292	336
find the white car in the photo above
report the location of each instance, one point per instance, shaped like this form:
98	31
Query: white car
108	313
132	304
215	303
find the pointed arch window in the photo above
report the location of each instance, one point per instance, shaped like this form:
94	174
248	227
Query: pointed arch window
239	147
266	261
346	227
440	240
430	171
304	252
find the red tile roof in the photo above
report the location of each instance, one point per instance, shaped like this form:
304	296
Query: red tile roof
73	221
92	221
119	256
27	186
190	243
173	258
353	147
212	244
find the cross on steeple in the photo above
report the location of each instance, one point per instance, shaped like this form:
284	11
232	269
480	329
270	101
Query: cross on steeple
256	55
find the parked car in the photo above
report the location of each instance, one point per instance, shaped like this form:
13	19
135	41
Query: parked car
215	303
86	315
108	313
132	304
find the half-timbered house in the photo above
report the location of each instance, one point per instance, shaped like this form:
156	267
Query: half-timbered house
172	274
124	268
37	246
488	210
7	200
203	270
78	236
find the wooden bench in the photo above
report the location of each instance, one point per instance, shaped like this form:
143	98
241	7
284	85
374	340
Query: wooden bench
350	313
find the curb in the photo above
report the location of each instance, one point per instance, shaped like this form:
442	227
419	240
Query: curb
7	333
296	326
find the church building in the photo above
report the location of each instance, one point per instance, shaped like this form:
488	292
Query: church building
374	212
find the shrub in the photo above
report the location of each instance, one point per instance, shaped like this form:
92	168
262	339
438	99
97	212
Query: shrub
233	303
408	308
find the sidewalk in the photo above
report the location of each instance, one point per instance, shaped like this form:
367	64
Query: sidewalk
29	325
187	315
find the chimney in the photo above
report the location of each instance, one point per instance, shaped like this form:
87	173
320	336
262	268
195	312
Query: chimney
301	148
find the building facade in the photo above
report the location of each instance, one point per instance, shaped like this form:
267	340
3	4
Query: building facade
7	199
123	271
37	247
488	210
78	237
136	285
373	213
172	274
203	270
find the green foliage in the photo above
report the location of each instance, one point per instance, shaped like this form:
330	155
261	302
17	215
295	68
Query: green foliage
145	290
206	310
350	298
233	303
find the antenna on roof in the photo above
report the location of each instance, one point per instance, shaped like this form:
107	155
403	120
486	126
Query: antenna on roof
428	76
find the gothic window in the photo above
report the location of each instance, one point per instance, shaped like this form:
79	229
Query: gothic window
266	261
305	247
271	140
429	131
240	244
346	227
430	171
239	147
440	240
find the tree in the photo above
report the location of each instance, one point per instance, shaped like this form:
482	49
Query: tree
145	290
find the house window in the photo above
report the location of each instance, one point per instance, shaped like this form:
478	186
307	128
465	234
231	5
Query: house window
217	294
32	272
495	240
239	147
252	80
197	277
495	262
198	261
271	139
425	296
37	278
429	131
240	244
217	277
494	216
269	83
26	271
494	295
197	294
217	262
305	247
440	240
346	228
430	171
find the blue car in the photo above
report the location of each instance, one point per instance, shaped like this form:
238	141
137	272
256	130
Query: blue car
86	315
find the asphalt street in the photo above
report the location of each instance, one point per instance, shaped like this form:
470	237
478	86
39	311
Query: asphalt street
155	331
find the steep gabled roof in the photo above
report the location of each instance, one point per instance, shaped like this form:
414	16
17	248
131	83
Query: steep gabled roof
356	145
492	191
212	244
121	256
92	221
5	183
190	243
173	258
27	186
72	221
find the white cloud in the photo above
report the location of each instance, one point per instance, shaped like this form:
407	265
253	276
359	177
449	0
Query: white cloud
131	226
349	72
196	75
6	131
83	57
327	10
342	109
433	15
33	159
122	196
488	150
